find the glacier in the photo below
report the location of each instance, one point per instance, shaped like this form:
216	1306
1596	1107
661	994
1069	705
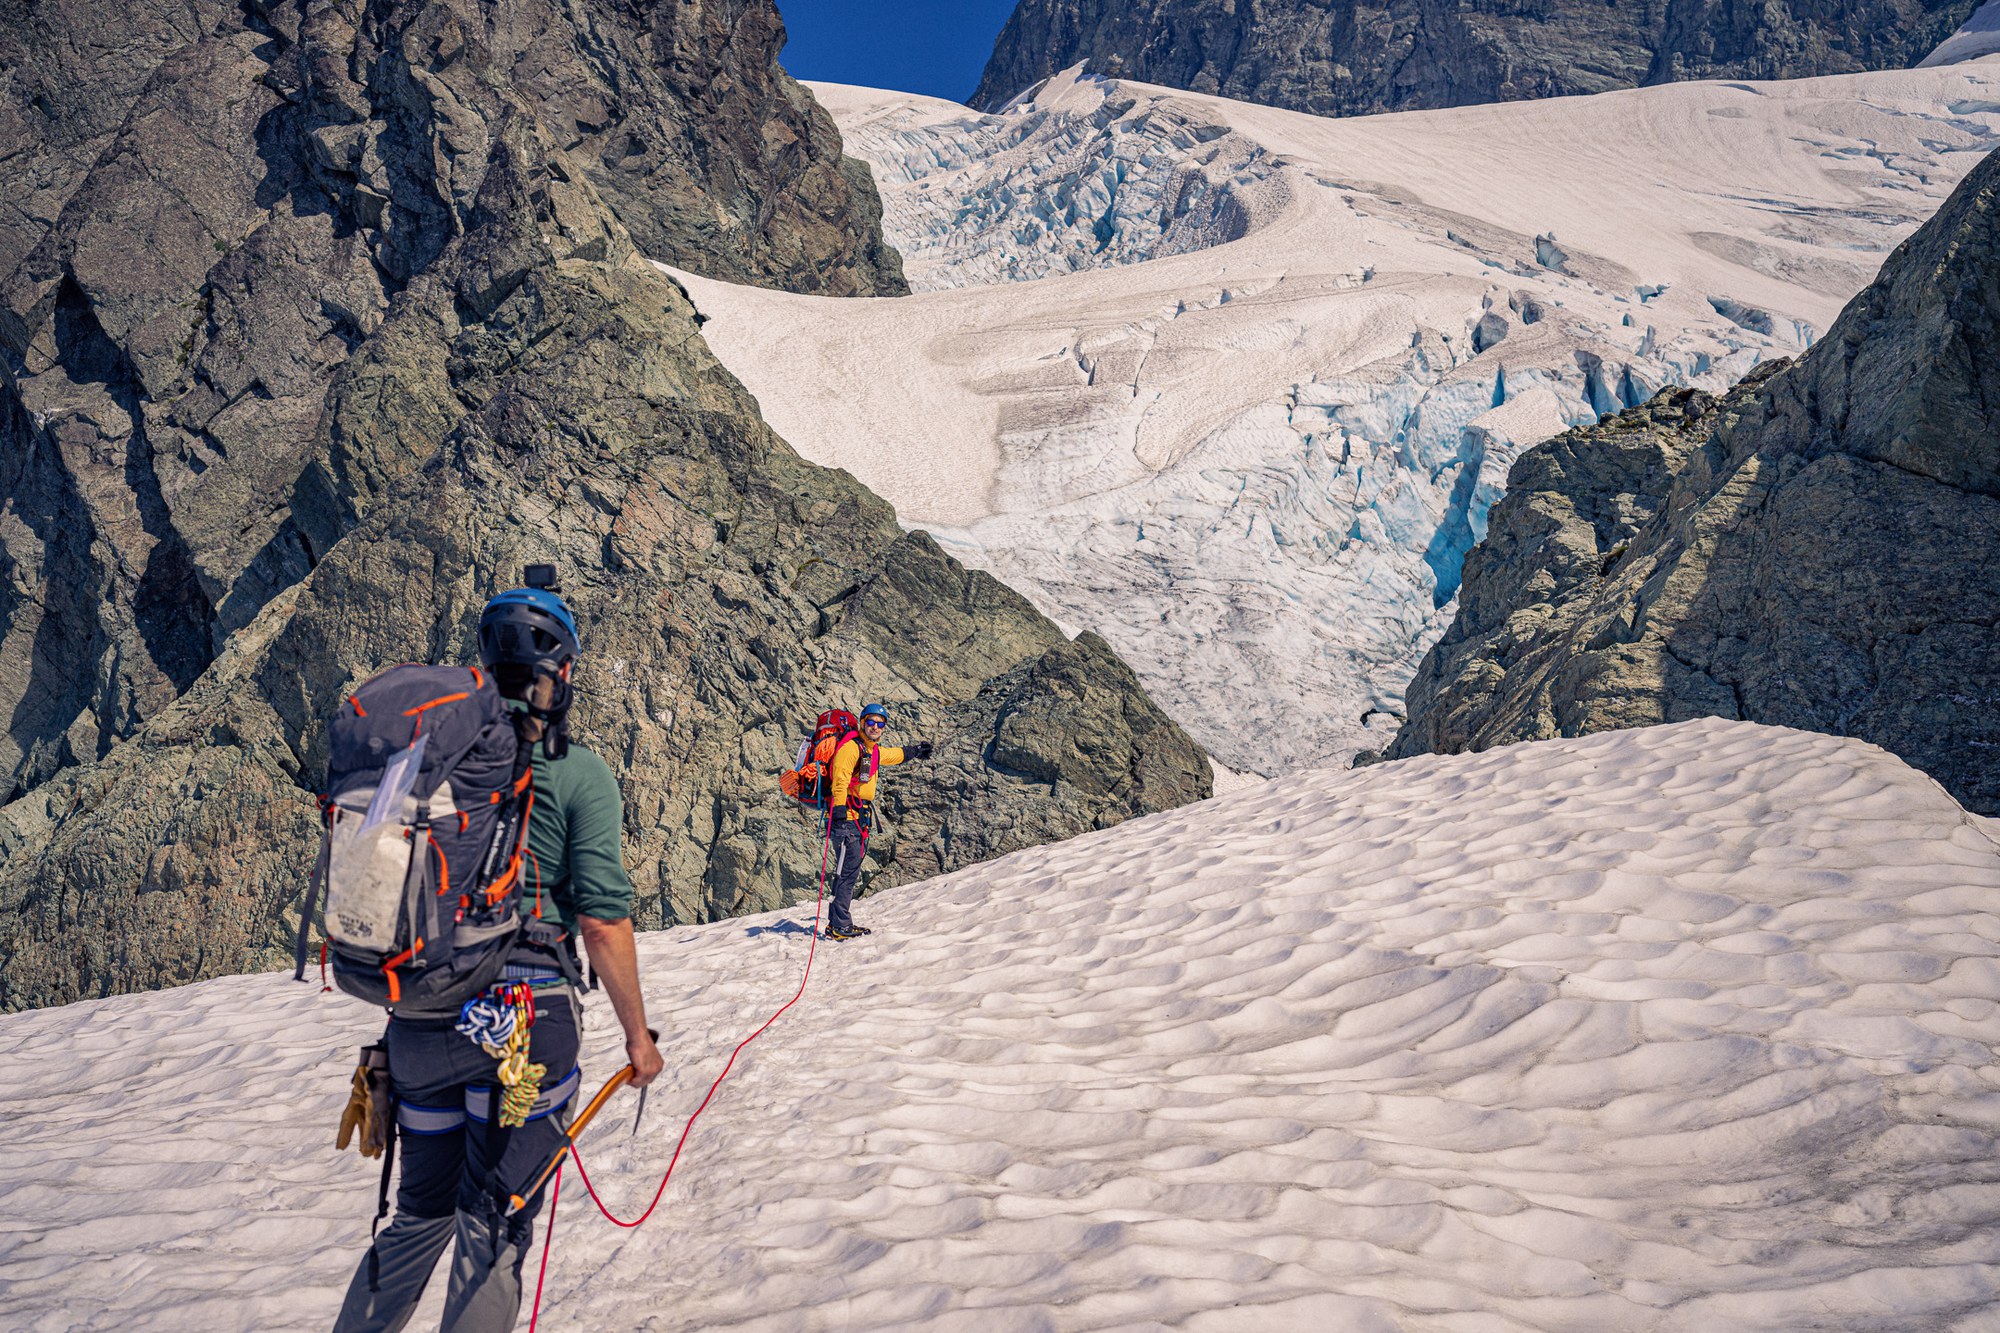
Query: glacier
1236	386
1079	175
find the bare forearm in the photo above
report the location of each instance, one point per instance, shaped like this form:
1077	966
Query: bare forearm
615	957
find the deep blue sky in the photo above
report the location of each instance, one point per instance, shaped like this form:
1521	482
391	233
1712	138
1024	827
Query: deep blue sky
916	46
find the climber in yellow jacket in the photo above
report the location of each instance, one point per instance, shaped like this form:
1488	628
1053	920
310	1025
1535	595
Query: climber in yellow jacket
858	760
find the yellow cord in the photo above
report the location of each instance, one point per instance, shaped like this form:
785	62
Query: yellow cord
520	1082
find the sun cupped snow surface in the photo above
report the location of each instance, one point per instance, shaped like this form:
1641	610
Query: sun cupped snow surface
1256	466
1688	1028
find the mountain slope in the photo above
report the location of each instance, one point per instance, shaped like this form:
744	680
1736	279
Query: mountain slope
1392	55
225	204
1251	415
385	341
1815	551
1680	1029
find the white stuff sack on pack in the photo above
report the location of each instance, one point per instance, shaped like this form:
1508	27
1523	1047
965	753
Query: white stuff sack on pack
370	841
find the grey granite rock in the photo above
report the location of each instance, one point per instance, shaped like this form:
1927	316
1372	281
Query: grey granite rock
1344	59
1815	550
223	202
421	350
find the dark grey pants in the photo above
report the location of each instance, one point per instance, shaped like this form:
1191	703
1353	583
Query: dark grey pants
846	872
458	1169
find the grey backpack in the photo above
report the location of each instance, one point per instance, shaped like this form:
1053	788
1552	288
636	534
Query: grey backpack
427	802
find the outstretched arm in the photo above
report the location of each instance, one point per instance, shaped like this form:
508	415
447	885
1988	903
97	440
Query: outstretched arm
894	754
615	956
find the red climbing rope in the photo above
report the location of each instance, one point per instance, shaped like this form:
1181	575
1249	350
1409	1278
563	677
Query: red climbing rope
548	1243
549	1240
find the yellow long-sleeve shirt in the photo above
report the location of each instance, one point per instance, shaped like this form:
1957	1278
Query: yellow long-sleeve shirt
846	759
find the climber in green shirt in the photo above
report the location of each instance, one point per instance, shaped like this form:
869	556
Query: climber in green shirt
460	1165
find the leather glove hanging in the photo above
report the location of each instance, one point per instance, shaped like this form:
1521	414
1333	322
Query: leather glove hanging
368	1110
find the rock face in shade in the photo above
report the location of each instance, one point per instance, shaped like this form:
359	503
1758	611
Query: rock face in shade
221	205
1358	57
340	322
1815	550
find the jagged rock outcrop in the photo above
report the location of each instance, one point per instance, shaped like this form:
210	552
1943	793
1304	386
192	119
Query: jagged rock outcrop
222	204
1347	59
341	323
1814	550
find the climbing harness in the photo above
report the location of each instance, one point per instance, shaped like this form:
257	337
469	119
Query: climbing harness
568	1150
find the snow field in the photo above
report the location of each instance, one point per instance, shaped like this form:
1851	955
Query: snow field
1688	1028
1255	466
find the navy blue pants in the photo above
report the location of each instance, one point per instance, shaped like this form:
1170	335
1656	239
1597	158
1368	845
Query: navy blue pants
845	867
458	1169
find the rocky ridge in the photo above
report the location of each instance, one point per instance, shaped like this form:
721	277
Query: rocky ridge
320	329
207	239
1397	55
1812	550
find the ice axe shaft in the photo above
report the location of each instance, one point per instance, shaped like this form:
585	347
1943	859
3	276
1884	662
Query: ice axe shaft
618	1080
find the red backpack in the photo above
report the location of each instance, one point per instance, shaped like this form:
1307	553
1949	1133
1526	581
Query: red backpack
809	780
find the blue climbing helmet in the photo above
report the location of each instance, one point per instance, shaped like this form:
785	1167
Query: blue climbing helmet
526	632
875	710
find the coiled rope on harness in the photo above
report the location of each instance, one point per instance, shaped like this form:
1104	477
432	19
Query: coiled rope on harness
555	1192
498	1024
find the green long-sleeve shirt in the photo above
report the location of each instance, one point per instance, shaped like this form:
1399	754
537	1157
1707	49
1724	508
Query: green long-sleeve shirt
575	836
